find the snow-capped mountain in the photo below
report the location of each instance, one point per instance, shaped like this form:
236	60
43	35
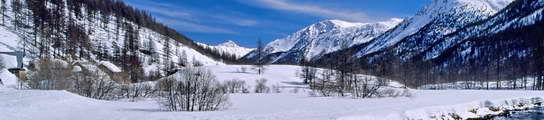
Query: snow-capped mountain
484	40
229	48
512	36
321	38
430	24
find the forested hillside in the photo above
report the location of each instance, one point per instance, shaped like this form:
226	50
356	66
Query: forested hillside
101	30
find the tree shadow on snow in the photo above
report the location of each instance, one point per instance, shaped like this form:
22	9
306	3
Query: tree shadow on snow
294	83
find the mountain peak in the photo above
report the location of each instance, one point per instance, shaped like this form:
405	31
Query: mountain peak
448	5
229	43
392	22
338	23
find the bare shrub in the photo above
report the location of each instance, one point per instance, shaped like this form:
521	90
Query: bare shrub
325	85
276	88
261	87
394	92
93	84
366	88
193	89
138	90
2	66
234	86
356	86
242	70
295	90
50	75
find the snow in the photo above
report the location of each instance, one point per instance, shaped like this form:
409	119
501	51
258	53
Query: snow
436	15
288	105
9	80
344	24
61	105
284	75
497	4
229	43
77	69
112	67
230	47
326	36
510	18
103	36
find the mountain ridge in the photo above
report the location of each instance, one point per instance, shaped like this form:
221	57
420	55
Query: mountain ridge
320	38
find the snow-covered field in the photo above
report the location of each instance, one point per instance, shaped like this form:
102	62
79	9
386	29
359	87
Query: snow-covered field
61	105
288	105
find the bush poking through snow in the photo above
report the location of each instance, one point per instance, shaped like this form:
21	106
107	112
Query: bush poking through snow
261	87
2	66
93	84
50	75
235	86
331	83
194	89
138	90
242	70
276	88
394	92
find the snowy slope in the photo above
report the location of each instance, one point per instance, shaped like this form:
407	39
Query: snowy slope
230	48
107	37
515	32
320	38
439	18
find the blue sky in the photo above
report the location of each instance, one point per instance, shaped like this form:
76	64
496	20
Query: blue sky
244	21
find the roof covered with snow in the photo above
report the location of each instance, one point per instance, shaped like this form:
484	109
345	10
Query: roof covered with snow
112	67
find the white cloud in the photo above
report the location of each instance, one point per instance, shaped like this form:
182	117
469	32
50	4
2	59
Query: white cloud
235	20
198	16
192	27
314	10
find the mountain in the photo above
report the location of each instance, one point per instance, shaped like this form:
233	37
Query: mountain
430	24
229	48
320	38
489	44
513	36
98	30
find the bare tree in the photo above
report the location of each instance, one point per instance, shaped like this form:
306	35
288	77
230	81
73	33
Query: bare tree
324	86
261	87
308	73
235	86
367	87
182	59
2	66
93	84
194	89
259	64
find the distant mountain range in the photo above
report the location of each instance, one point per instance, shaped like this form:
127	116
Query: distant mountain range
320	38
445	38
229	48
